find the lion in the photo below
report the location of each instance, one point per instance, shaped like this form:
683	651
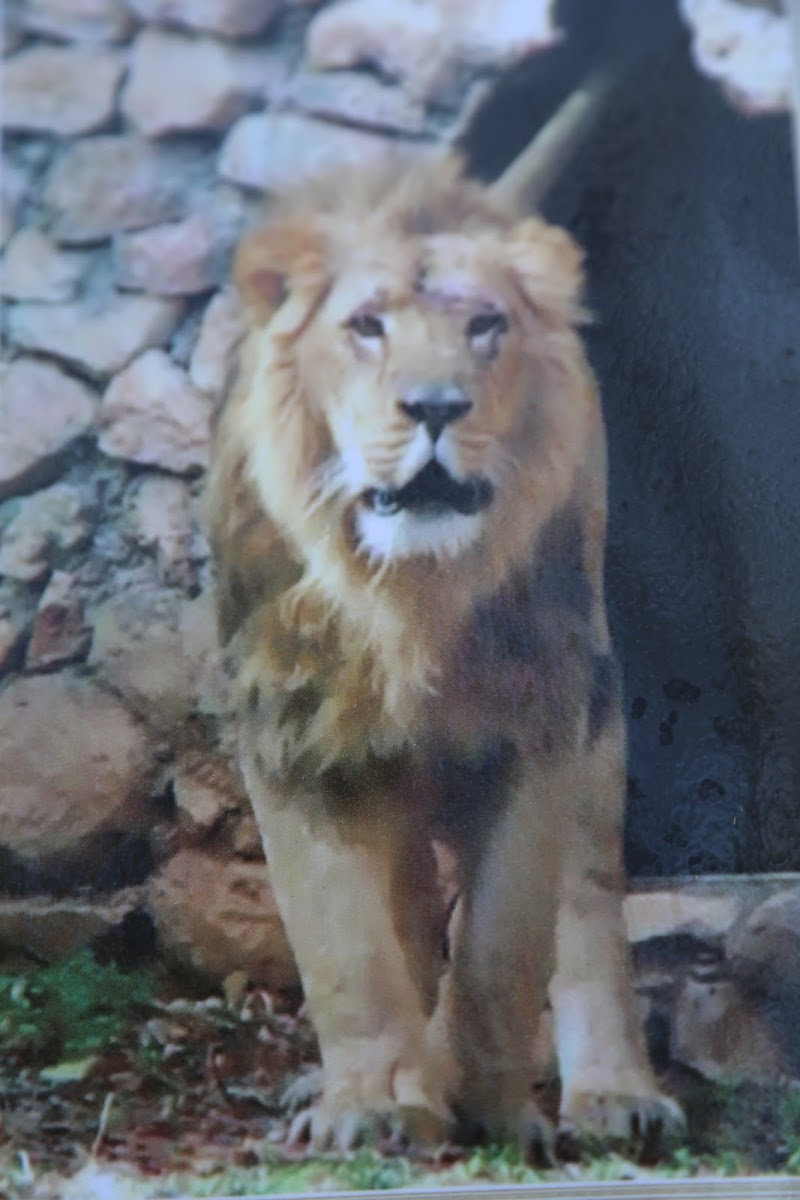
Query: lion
408	510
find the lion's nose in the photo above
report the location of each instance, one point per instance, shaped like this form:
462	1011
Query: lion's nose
436	405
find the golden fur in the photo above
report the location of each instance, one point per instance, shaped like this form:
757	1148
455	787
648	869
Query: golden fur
405	659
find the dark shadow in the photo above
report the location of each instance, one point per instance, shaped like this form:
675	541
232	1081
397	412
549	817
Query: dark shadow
686	211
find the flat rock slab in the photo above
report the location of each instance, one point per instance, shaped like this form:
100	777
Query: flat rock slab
214	354
180	258
428	46
86	21
746	48
214	917
178	82
158	651
36	268
73	763
102	336
764	946
658	913
102	185
52	929
718	961
230	18
42	412
65	91
354	98
151	413
658	907
276	151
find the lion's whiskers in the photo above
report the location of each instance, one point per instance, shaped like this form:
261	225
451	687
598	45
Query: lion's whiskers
384	457
473	440
329	481
380	568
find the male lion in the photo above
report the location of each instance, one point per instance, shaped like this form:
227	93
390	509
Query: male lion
408	502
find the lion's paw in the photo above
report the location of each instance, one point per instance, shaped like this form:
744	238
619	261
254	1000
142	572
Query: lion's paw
646	1118
344	1126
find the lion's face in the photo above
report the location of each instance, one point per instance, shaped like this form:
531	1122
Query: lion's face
416	364
422	360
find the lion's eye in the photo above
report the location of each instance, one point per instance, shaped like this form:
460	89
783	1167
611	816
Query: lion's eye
487	324
366	325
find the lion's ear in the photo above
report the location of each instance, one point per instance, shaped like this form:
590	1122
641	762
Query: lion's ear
549	267
271	262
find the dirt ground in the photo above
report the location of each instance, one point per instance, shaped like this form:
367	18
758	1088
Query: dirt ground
197	1096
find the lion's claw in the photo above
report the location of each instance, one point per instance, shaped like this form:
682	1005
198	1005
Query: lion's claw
649	1120
342	1130
304	1089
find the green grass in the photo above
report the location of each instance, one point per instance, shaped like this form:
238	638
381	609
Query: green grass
363	1171
747	1129
366	1170
71	1009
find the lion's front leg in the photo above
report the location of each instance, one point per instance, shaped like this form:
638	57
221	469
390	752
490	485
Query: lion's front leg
502	957
607	1084
355	885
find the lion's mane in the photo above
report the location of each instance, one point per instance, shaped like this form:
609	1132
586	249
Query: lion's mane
355	649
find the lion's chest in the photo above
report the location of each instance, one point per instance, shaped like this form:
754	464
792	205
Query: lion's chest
517	671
